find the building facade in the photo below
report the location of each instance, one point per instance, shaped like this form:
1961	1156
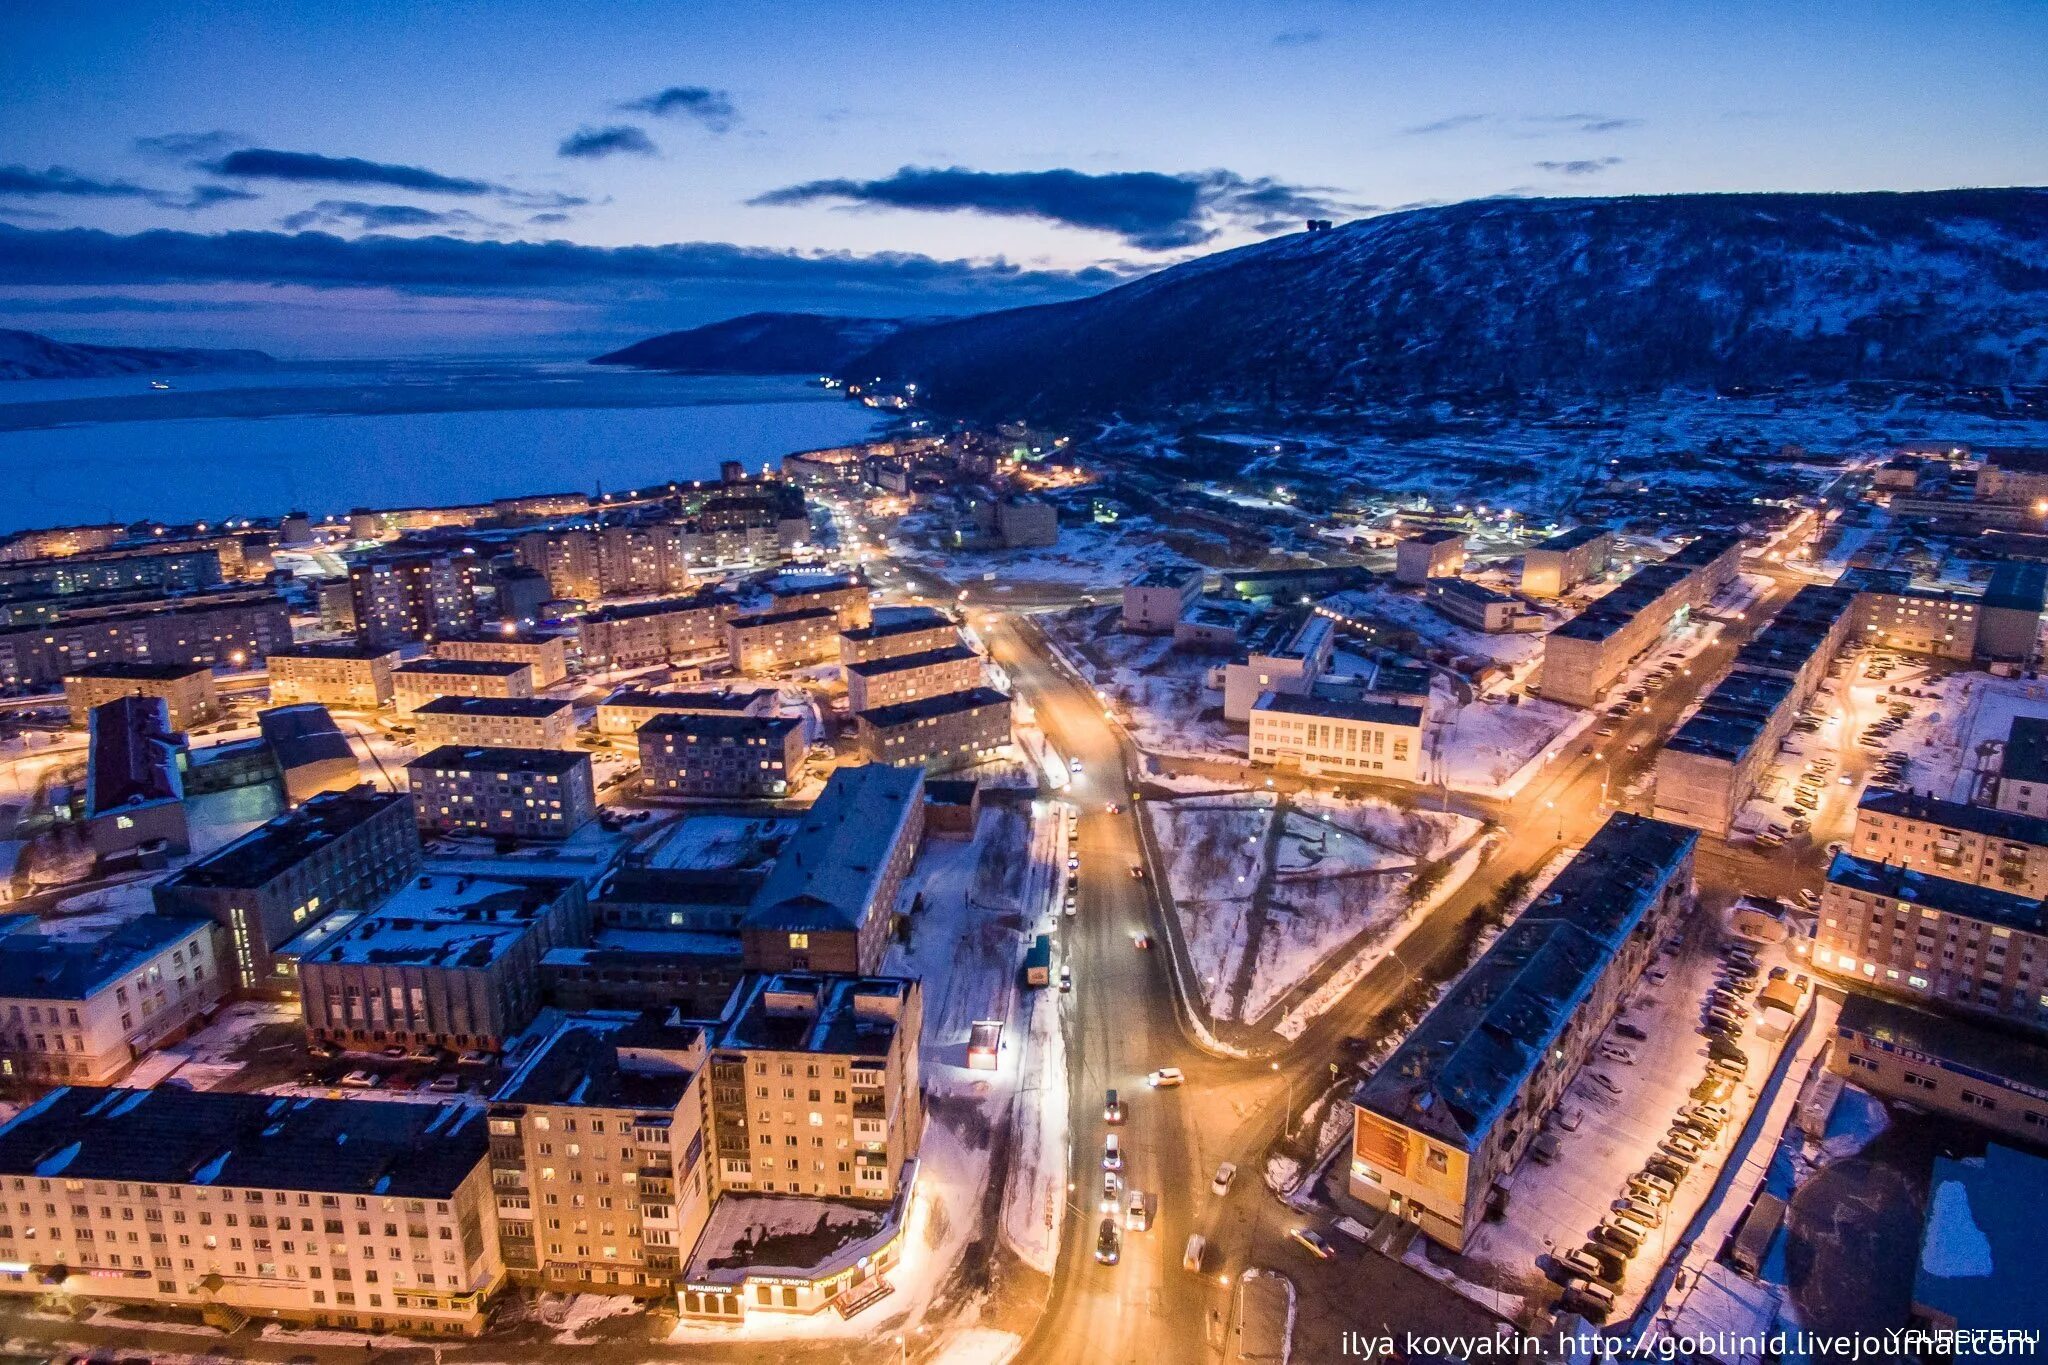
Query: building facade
897	630
1583	657
547	652
912	677
735	757
188	690
782	639
415	684
628	708
1562	562
517	793
1318	736
496	722
399	599
1155	600
80	1011
671	630
1976	844
1952	1067
351	676
1430	554
828	902
938	734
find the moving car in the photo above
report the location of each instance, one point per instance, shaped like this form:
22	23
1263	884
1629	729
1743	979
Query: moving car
1225	1173
1112	1191
1191	1259
1138	1214
1138	871
1312	1242
1142	942
1112	1108
1073	765
1165	1078
1112	1155
1108	1243
1066	978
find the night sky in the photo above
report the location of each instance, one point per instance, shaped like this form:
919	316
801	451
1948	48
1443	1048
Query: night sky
334	179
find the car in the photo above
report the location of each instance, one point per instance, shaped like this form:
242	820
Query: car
1651	1186
1108	1243
1066	978
1354	1045
1141	942
1072	907
1112	1108
1112	1191
1112	1154
1073	765
1625	1240
445	1084
393	1054
1138	872
1166	1078
1073	862
1615	1052
1575	1262
1225	1173
1604	1081
1680	1148
1635	746
1113	809
1191	1259
1588	1299
1313	1242
362	1080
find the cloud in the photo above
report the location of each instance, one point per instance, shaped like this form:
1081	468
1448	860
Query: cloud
377	217
1298	37
547	219
712	108
1147	209
206	197
610	140
55	182
1584	123
1530	125
264	163
1584	166
72	304
1448	124
186	146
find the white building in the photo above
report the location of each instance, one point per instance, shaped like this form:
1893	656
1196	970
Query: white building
1287	660
1157	599
1315	735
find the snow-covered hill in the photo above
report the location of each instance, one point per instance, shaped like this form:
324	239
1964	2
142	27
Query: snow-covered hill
758	343
30	355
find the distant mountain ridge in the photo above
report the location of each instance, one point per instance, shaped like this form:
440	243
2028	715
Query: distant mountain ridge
1497	299
759	343
31	355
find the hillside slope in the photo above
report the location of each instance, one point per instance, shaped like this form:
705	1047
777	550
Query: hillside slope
30	355
758	343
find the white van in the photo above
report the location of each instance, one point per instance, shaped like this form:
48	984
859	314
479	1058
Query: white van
1191	1259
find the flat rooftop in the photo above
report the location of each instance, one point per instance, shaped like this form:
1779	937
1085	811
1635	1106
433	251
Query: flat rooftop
704	703
902	663
2017	585
489	668
783	618
35	966
1470	591
1983	1244
263	854
1334	708
1165	577
531	708
1440	537
663	606
1985	820
447	922
1574	538
720	727
579	1065
840	1016
1963	899
334	649
464	758
927	708
134	672
2004	1058
2026	751
890	621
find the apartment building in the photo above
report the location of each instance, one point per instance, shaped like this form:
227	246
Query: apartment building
188	690
448	960
1892	614
669	630
737	757
1286	657
2009	613
517	793
1976	844
815	1085
912	677
339	851
828	902
1444	1120
2023	768
1564	561
1583	657
352	676
1320	736
371	1217
237	629
628	708
398	599
1959	1069
1427	555
897	630
782	639
81	1009
1969	948
134	778
1473	604
157	567
547	652
598	1160
496	722
415	684
846	595
938	734
1155	600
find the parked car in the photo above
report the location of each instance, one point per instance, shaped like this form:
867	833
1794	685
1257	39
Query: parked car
1225	1173
362	1080
1112	1154
1112	1191
1627	1030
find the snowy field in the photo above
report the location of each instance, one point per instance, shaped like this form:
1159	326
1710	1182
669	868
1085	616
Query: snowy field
1160	694
1493	747
1090	556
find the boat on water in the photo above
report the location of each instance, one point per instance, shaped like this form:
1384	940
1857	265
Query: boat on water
159	383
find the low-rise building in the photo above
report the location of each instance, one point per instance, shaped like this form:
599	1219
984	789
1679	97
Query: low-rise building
1427	555
448	960
828	901
912	677
81	1010
338	851
628	708
1473	604
617	1105
335	1213
668	630
2009	613
1935	1062
939	734
1903	932
1562	562
1155	600
415	684
187	690
1977	844
1287	657
1217	625
737	757
1026	523
1444	1120
309	750
134	778
2023	768
782	639
546	651
845	595
518	793
353	676
897	630
1320	736
496	722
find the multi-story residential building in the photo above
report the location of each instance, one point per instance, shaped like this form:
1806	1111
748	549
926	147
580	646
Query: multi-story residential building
1327	736
1287	658
629	708
897	630
846	595
1427	555
448	960
1582	657
1939	1064
134	778
671	630
737	757
59	542
1562	562
188	690
496	722
827	903
522	595
519	793
912	677
1891	613
598	1158
938	734
236	629
546	651
163	568
782	639
402	598
339	851
2023	768
80	1010
1157	598
2009	613
1473	604
1976	844
1444	1120
2015	475
352	676
1946	942
415	684
815	1085
366	1216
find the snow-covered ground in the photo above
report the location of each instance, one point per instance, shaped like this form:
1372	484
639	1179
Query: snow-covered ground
1088	556
1436	633
1493	747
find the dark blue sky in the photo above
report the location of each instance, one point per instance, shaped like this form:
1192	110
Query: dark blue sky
380	165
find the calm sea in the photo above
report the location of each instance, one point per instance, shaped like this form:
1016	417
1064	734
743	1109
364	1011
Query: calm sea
325	438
